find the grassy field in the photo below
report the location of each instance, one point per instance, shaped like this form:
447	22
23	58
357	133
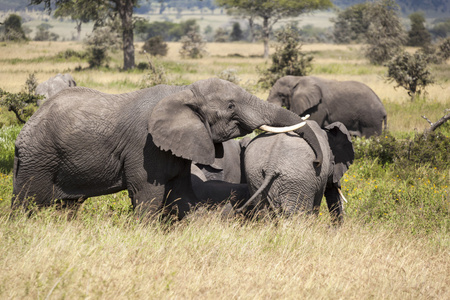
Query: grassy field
395	242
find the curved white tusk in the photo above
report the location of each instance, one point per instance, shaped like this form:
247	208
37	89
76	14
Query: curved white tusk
305	117
342	195
281	129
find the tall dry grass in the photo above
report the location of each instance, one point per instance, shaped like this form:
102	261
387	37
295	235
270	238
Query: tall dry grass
205	257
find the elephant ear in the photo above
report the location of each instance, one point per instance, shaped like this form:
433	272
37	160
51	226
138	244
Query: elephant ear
177	124
306	94
342	148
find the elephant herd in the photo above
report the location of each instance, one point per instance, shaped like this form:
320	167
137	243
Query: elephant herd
174	148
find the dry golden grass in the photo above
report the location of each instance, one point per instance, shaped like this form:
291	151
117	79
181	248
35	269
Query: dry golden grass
340	62
208	258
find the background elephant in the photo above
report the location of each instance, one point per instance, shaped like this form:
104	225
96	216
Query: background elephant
53	85
350	102
83	143
280	174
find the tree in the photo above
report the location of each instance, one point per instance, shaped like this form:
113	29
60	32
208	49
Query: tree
193	45
271	11
418	36
13	28
236	32
288	59
350	24
43	33
410	72
80	11
385	35
155	46
124	8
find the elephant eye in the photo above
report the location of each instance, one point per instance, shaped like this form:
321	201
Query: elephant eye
231	106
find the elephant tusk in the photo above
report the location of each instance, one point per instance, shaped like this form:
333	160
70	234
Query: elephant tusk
342	195
305	117
281	129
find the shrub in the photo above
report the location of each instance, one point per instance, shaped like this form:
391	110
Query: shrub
13	30
22	104
385	35
410	72
99	43
427	149
288	59
155	46
193	44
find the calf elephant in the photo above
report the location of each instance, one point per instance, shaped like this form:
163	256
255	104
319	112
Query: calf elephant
352	103
53	85
280	174
227	163
83	143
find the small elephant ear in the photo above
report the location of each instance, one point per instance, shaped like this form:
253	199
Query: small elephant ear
177	125
305	95
342	148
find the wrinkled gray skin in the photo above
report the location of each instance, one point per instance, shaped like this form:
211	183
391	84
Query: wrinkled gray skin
227	164
83	143
53	85
281	177
350	102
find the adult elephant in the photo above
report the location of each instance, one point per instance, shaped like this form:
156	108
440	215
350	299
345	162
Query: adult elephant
281	177
83	143
326	101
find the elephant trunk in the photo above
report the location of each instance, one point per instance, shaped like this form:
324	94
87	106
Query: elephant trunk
279	117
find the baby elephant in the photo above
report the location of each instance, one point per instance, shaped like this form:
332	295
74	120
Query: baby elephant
281	175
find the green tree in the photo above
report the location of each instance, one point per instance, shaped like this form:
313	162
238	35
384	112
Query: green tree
236	32
80	11
13	28
410	72
350	24
193	45
288	58
271	11
418	36
385	35
124	8
43	33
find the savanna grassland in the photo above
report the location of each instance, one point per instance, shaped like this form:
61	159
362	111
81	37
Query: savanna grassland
394	244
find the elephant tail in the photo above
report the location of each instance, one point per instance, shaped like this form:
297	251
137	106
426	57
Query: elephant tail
267	180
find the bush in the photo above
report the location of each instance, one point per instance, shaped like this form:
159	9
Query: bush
43	33
102	40
22	104
155	46
426	149
8	135
410	72
193	44
288	59
13	30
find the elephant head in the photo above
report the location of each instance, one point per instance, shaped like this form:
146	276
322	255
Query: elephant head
190	122
306	91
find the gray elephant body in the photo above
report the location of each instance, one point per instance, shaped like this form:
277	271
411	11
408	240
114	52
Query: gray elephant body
279	171
54	85
326	101
227	164
83	143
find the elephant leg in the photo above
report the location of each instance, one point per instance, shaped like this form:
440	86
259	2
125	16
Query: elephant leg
147	200
334	203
